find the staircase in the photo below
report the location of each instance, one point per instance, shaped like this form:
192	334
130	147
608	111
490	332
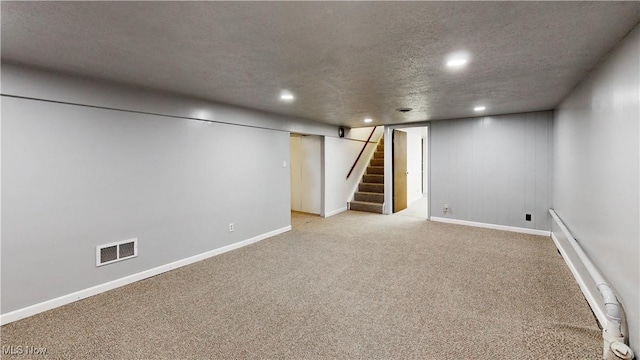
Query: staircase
370	194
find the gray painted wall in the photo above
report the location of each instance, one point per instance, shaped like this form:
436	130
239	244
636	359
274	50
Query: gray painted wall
596	171
75	177
493	169
39	84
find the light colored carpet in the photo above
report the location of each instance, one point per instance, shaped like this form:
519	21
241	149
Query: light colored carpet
356	285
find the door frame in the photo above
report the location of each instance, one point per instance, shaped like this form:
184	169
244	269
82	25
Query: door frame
387	208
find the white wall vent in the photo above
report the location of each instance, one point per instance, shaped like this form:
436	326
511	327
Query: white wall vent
113	252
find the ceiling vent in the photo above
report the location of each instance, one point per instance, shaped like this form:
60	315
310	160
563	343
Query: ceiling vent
117	251
404	109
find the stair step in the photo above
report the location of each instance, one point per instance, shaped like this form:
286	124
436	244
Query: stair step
378	155
366	206
380	147
375	170
371	197
377	162
369	187
373	178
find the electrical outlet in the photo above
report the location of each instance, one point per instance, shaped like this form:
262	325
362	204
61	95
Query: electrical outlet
231	228
527	217
446	208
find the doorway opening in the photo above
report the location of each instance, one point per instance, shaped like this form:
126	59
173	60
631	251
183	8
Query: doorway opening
305	162
410	163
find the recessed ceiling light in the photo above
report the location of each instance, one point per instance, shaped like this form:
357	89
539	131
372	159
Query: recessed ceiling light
457	62
286	96
367	120
479	108
457	59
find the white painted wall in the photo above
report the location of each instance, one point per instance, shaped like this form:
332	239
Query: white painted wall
596	171
414	166
363	133
295	164
425	164
339	156
306	174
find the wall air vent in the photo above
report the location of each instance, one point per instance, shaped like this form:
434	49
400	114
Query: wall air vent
117	251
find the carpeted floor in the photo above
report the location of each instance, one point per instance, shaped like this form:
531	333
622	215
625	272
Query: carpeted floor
355	285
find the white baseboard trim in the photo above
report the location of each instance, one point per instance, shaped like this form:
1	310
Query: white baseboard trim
94	290
492	226
334	212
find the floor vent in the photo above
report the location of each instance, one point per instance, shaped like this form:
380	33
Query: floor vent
121	250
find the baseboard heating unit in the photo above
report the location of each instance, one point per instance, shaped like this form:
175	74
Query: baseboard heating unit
599	294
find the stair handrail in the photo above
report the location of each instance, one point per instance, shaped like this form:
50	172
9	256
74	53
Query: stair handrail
361	151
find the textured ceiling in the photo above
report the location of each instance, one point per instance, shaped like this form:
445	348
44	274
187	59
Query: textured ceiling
344	61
